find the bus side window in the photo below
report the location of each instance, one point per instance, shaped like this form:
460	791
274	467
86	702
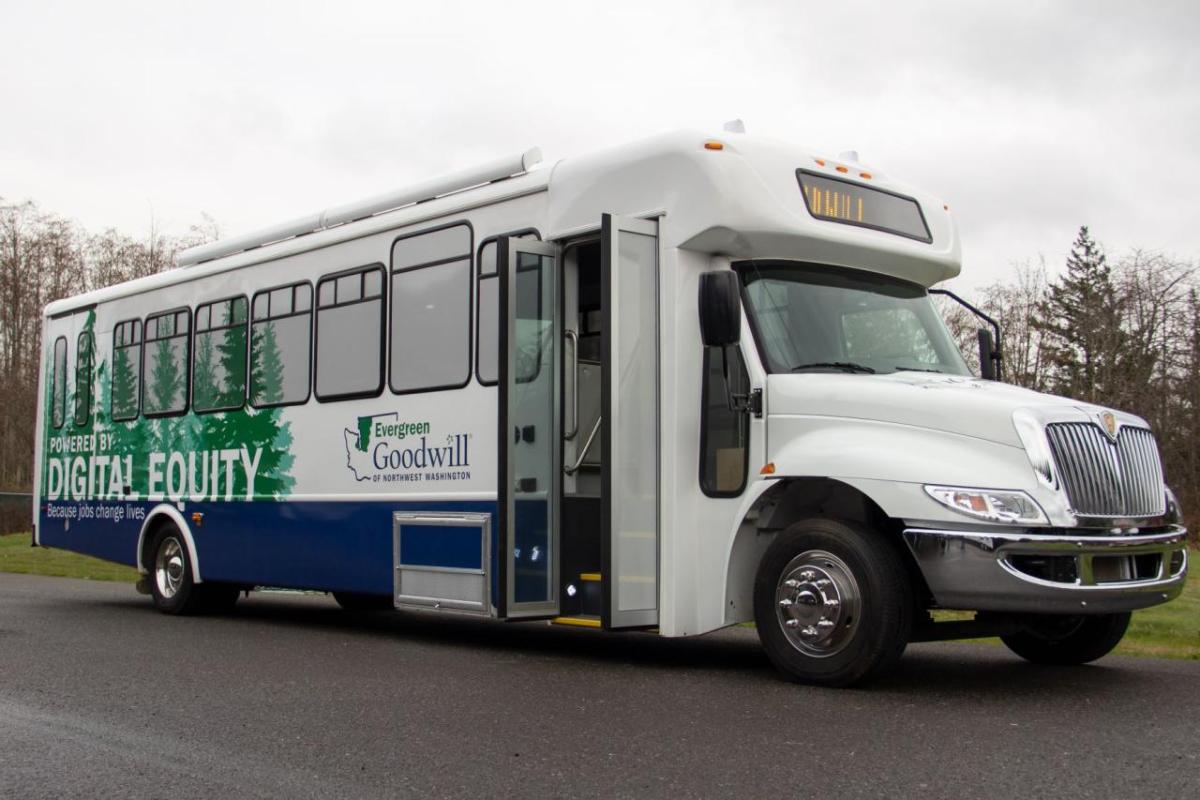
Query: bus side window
58	386
84	361
126	377
431	310
219	356
724	433
165	362
487	309
281	346
349	334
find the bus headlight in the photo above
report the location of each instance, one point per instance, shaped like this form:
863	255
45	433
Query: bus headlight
994	505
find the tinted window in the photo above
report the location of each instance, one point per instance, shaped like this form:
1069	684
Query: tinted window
431	310
350	334
84	361
165	364
219	356
281	346
58	385
126	377
487	319
724	432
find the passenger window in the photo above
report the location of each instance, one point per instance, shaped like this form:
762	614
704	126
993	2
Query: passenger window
487	311
431	311
84	362
281	346
126	377
219	356
724	433
350	334
58	383
165	364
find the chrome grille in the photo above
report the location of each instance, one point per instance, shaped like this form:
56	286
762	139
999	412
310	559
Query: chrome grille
1104	478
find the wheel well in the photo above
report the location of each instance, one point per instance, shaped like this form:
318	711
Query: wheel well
153	527
794	499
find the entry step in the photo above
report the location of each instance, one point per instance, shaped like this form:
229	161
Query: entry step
582	597
581	621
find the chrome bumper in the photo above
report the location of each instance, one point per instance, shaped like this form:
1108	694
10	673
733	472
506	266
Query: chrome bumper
1029	572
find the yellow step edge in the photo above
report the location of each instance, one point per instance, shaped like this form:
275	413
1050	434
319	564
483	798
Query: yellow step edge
581	622
590	576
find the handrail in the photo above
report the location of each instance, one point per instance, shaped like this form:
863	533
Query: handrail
571	470
573	337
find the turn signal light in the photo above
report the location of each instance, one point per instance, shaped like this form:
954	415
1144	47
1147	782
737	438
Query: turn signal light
713	145
768	468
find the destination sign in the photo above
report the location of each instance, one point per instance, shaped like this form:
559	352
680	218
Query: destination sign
853	203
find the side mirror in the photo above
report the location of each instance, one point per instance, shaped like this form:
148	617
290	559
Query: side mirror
989	358
720	309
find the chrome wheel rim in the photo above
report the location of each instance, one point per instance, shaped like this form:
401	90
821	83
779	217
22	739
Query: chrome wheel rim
168	568
817	602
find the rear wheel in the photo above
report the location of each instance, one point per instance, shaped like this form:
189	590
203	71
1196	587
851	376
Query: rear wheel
1064	640
171	583
833	603
358	601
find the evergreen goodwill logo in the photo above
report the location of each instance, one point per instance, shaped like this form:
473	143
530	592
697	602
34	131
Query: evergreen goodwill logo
384	449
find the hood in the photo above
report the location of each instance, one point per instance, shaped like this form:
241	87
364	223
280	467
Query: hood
952	403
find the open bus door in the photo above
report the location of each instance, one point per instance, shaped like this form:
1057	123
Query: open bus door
529	429
629	263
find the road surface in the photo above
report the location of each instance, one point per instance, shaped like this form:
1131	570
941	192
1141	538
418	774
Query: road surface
101	696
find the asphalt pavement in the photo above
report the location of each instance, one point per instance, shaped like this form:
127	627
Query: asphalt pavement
288	696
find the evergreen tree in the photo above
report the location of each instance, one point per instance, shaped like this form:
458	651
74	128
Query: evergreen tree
1081	320
204	386
124	382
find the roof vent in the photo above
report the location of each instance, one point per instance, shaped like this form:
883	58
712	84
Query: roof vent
735	126
849	155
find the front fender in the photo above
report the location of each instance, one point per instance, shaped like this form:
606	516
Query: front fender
890	463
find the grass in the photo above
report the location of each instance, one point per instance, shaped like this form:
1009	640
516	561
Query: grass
17	556
1171	630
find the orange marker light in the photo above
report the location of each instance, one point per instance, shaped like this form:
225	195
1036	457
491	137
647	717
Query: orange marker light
820	161
768	468
841	169
866	175
713	145
197	518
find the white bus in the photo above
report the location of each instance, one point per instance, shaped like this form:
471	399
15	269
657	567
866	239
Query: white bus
675	385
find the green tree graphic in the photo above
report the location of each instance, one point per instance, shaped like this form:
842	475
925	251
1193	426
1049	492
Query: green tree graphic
204	382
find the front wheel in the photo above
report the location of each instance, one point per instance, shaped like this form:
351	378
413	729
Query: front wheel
832	602
1065	640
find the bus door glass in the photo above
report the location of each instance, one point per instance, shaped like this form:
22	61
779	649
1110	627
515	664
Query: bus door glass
629	263
529	428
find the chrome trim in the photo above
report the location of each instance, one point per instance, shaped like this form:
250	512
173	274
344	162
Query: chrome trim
1108	476
974	569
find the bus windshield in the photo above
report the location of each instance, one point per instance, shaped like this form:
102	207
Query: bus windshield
830	319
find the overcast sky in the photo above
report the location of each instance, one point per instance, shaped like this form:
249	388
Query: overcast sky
1028	118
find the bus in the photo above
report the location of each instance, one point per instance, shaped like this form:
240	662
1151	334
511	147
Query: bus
671	386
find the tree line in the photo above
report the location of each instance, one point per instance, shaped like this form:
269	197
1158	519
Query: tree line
1123	334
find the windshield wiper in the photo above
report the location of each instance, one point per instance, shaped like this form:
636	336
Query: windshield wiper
842	365
915	369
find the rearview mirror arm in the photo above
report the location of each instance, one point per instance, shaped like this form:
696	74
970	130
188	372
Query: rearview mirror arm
995	356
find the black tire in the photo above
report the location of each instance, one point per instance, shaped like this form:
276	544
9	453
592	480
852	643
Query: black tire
866	630
179	594
358	601
1066	640
171	583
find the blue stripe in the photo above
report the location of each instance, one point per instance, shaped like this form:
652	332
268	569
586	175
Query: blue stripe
328	546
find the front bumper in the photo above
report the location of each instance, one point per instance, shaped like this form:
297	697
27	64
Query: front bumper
1053	573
